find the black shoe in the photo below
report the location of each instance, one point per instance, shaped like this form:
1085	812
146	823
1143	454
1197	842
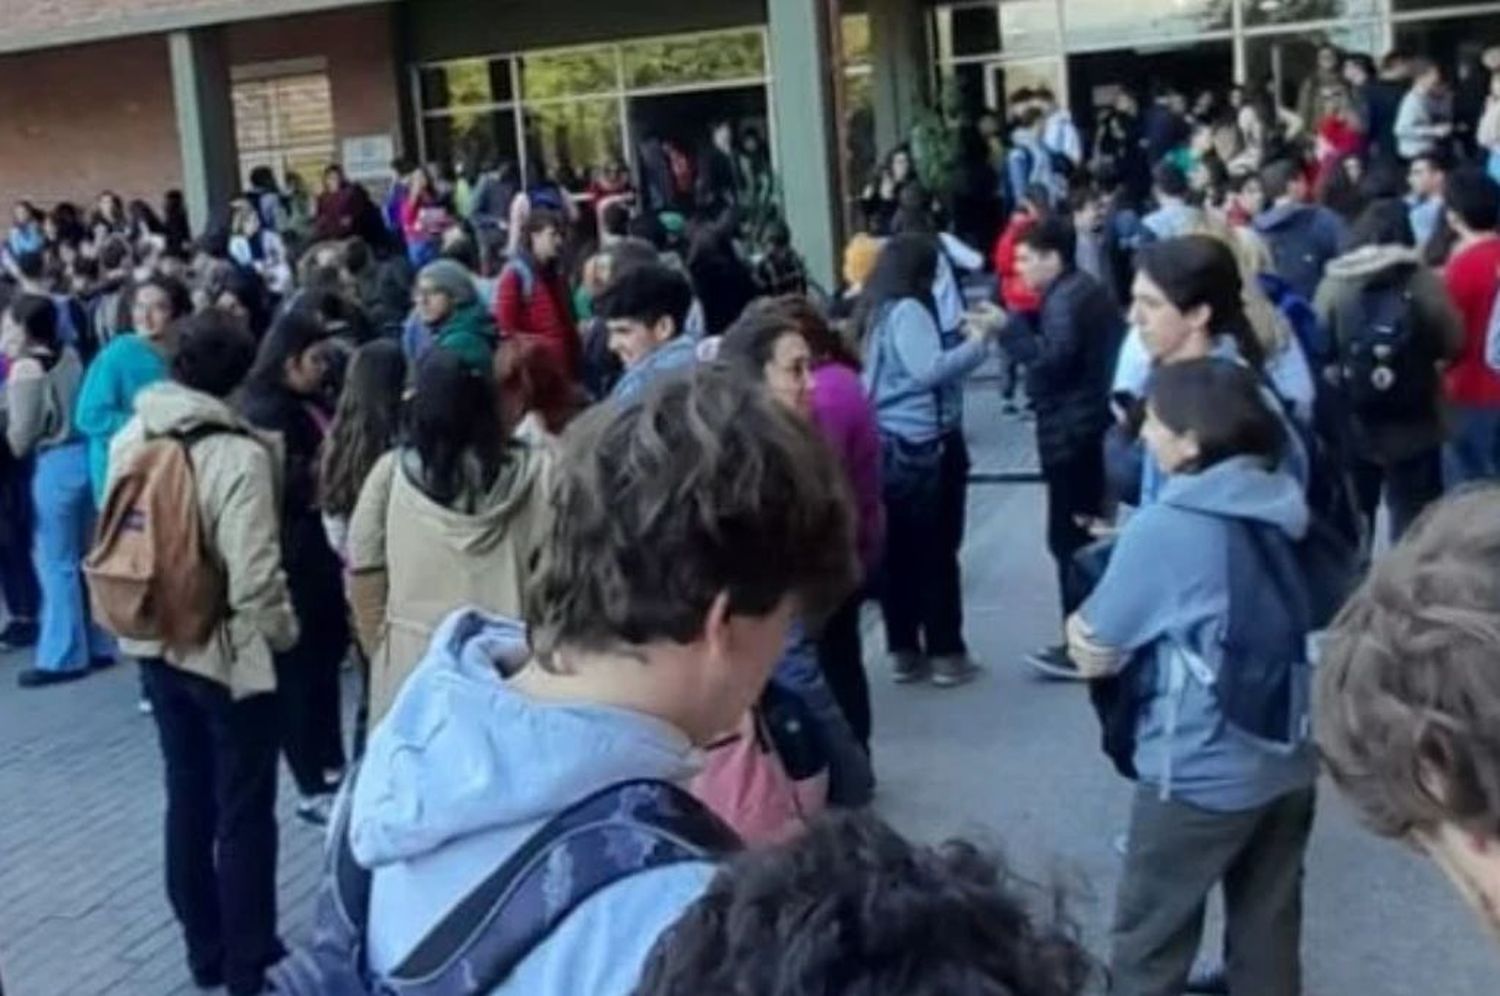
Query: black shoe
1209	979
315	810
1054	662
102	663
19	634
37	678
208	978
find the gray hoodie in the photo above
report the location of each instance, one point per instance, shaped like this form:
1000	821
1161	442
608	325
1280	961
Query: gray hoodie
1166	592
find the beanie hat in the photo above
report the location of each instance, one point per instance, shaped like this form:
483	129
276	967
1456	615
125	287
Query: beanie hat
453	279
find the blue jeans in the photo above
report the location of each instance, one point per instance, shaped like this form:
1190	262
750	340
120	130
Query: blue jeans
64	506
1473	454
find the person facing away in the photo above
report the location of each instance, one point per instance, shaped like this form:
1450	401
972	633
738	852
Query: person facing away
692	525
781	270
645	309
1473	279
1420	122
451	517
1302	236
125	366
215	706
889	918
1408	691
532	299
1215	686
1069	351
1398	446
41	392
722	281
367	424
1173	214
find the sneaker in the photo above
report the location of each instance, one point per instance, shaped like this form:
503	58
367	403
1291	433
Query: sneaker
19	634
1054	662
1209	979
908	667
144	707
208	978
37	678
315	811
952	670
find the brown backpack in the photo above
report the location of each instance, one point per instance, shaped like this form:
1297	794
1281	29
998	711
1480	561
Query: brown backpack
151	574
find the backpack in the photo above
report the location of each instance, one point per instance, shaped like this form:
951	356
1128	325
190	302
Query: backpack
151	575
620	831
1388	372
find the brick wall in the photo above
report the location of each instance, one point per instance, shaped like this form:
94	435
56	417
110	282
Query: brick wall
74	121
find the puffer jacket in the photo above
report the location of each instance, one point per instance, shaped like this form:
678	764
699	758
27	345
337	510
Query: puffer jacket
238	476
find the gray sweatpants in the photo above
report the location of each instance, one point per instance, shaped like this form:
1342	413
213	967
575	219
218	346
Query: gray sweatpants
1176	855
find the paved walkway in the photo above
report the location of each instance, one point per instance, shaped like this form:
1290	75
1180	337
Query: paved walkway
82	908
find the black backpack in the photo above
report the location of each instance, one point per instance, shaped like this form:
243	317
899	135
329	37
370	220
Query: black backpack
623	830
1389	372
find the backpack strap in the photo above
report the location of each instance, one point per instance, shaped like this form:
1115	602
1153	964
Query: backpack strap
618	832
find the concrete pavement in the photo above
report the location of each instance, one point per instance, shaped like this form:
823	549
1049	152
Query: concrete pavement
1009	759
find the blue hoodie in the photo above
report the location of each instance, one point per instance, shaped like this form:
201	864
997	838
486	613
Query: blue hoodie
1166	592
463	770
675	354
1304	239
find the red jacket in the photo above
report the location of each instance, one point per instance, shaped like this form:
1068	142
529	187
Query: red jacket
1473	275
1015	293
532	303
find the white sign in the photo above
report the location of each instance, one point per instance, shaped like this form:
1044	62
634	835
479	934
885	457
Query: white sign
368	157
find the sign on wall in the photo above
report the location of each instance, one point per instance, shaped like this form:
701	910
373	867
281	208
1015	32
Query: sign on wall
368	157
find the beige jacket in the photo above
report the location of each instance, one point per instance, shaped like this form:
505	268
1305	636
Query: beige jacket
238	479
413	561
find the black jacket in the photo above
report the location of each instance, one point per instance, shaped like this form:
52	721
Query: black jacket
1069	349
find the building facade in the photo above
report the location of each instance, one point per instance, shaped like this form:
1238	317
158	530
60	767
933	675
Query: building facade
139	96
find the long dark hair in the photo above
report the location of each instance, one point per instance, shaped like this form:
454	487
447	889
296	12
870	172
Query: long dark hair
456	426
1200	269
365	425
1220	403
293	334
905	268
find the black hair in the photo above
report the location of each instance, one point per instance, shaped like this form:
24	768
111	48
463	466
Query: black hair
905	268
357	255
1277	178
648	228
1198	270
1473	198
114	253
1439	160
540	220
246	287
1170	180
615	219
37	316
214	353
748	345
293	334
778	235
854	908
461	250
647	294
455	414
1220	402
1383	182
1364	62
179	298
262	178
1054	234
1383	223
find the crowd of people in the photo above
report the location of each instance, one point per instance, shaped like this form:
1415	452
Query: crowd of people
594	510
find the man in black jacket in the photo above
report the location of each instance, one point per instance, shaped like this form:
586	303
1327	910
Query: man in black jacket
1069	349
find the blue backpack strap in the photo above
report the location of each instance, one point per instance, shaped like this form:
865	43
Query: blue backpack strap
621	831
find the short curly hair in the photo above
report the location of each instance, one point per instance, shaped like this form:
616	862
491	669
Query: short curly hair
1409	689
854	908
704	485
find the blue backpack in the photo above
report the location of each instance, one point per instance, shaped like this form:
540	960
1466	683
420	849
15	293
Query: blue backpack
623	830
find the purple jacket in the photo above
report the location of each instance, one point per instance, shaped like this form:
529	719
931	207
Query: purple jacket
847	420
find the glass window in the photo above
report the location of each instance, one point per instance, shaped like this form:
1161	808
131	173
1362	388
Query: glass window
1448	40
1287	61
465	83
855	30
1010	27
570	73
570	139
1115	23
1295	11
285	122
859	130
471	137
705	59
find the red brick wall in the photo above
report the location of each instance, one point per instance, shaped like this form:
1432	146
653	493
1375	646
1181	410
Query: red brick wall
74	121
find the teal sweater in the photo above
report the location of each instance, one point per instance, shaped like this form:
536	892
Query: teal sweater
107	401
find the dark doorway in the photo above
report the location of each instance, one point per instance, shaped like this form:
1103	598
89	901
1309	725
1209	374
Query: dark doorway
1095	77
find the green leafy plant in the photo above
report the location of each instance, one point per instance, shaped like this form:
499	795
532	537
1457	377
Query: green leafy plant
935	141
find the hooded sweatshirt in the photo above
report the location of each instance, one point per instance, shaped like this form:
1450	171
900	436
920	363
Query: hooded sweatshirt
435	557
465	770
1303	238
1166	592
107	401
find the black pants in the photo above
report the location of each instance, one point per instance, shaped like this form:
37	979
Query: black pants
842	659
1409	486
220	761
925	517
18	583
1075	487
308	694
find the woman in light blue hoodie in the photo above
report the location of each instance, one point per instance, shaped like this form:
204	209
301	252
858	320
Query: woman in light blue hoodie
1216	802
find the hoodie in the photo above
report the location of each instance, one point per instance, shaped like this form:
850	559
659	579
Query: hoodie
675	354
1303	238
121	370
1166	592
465	770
